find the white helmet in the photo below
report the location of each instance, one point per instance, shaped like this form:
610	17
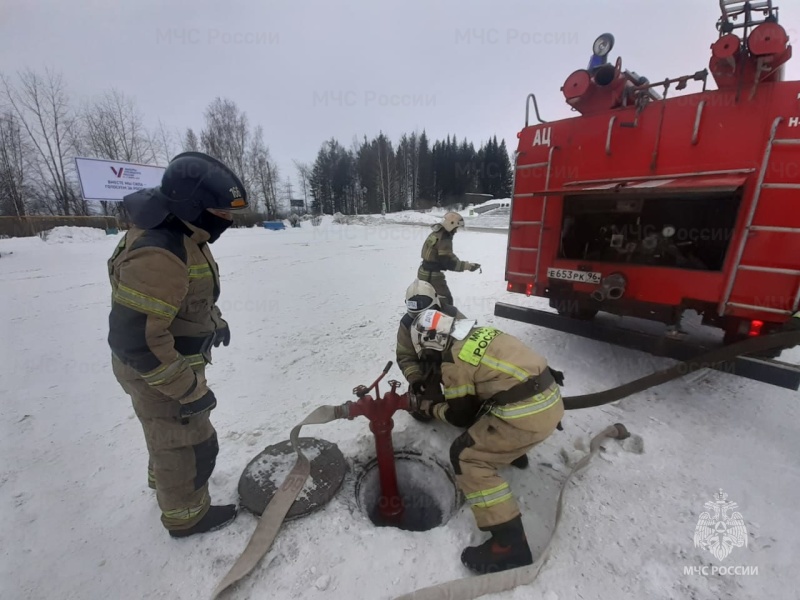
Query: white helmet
419	296
452	221
432	330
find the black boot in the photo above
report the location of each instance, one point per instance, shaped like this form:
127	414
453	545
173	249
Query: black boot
507	549
521	462
217	517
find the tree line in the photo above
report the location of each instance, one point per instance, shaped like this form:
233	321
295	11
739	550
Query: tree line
43	129
373	176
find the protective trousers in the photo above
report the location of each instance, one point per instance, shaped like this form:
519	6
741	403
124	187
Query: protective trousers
490	443
181	457
439	283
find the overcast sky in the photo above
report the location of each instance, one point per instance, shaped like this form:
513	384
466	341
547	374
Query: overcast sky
309	70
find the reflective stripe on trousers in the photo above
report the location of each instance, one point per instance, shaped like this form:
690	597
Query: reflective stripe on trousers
534	405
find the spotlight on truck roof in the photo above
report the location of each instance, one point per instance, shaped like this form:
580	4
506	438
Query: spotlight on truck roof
601	47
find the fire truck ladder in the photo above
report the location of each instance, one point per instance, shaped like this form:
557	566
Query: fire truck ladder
738	267
540	223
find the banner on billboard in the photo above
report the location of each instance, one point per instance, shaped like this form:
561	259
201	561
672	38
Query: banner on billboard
112	180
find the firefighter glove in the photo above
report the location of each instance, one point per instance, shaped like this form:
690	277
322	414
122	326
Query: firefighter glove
557	375
417	387
473	266
222	336
204	404
426	407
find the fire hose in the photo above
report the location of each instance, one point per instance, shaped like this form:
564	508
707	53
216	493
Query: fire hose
473	587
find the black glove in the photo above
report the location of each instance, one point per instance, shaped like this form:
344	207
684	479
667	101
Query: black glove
417	387
557	375
222	336
474	266
462	413
191	409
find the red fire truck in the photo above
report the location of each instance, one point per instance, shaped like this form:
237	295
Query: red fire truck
649	207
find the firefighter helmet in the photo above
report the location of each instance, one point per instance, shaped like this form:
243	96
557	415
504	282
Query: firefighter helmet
452	221
434	330
191	183
421	295
194	181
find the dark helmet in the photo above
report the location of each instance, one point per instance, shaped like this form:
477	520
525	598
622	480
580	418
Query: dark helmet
195	181
192	182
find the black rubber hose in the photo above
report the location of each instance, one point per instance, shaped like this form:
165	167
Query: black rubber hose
784	339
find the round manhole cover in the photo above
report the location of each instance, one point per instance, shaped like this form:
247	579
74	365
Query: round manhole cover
265	474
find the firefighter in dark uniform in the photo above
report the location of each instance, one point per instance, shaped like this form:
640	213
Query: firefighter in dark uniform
522	408
423	373
164	320
438	256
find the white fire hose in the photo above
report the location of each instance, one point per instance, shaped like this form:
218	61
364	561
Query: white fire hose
460	589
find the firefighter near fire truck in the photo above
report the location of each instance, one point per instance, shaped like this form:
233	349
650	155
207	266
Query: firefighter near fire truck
438	256
164	320
520	407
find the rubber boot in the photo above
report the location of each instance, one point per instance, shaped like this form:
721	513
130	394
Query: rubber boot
521	462
217	517
507	549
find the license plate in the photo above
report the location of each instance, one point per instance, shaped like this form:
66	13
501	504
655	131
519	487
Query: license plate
576	276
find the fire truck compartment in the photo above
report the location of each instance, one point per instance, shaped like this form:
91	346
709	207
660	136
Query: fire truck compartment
689	230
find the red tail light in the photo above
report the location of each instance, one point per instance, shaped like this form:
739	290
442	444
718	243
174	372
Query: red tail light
510	286
755	328
529	289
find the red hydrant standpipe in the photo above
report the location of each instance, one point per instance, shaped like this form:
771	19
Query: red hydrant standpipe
379	413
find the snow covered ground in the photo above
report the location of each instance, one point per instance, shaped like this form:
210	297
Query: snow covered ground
313	313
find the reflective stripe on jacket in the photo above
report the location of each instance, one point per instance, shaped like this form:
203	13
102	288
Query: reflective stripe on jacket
165	284
488	362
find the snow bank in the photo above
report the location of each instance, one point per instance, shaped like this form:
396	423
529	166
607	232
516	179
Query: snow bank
408	217
61	235
313	313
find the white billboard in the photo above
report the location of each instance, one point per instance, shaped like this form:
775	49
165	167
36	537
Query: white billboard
112	180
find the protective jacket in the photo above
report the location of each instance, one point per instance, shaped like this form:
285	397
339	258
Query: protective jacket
437	252
165	285
495	370
415	368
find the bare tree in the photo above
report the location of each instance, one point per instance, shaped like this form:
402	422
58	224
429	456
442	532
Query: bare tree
227	136
14	154
41	105
114	129
163	144
190	142
262	175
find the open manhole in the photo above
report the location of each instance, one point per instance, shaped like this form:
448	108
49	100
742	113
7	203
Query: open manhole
269	470
428	492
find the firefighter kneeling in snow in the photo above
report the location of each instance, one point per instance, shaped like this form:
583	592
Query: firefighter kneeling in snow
423	372
163	322
522	407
